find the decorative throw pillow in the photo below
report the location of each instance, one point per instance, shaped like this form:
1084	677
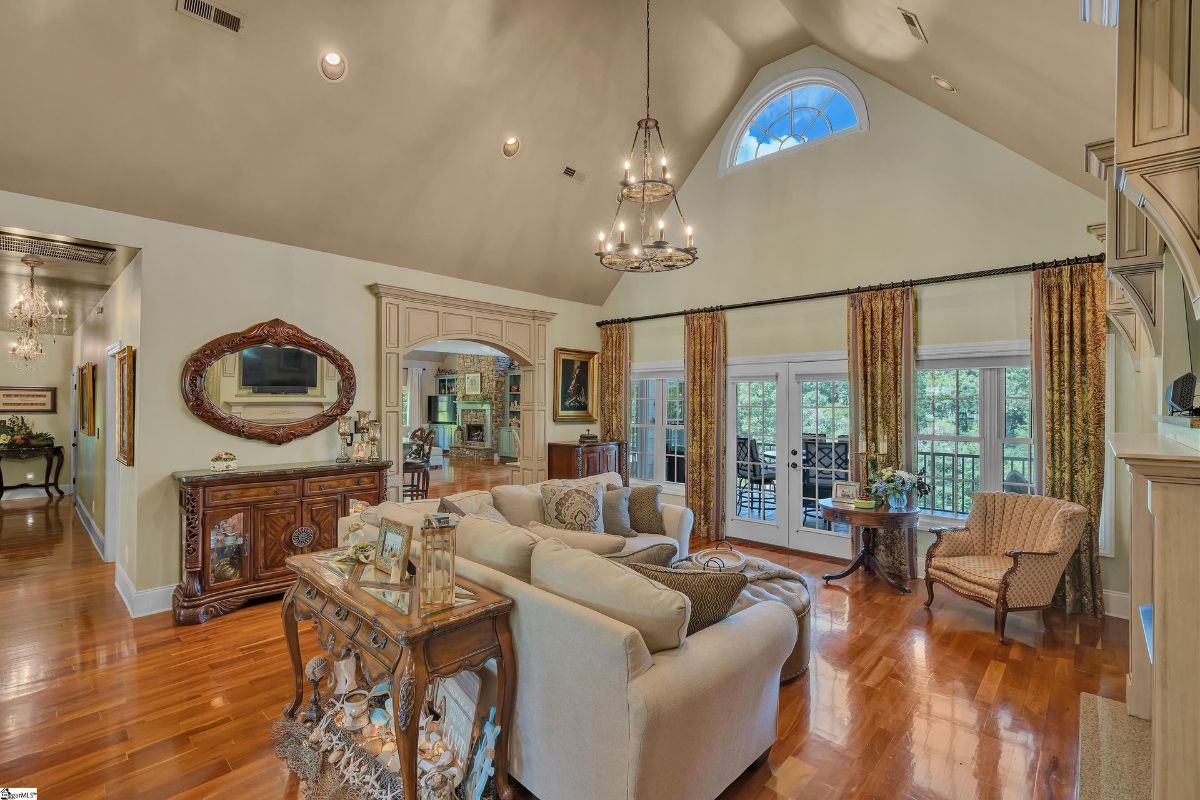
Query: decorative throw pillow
659	614
519	504
645	509
616	511
602	544
662	553
712	593
575	508
500	546
487	510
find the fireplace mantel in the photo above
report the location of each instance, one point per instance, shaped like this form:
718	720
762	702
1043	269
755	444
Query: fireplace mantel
486	408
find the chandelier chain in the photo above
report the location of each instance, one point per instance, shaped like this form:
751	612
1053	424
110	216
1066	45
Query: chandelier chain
647	58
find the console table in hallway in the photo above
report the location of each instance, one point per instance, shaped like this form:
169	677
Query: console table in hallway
54	456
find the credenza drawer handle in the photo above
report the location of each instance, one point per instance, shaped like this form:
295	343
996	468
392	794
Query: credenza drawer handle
378	640
341	614
311	593
279	490
228	495
320	487
361	481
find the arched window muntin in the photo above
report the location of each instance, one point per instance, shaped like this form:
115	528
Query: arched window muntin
802	109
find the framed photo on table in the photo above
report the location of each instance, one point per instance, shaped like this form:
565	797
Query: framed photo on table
393	545
575	385
845	492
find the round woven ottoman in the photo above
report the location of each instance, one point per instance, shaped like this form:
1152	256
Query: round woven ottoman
792	592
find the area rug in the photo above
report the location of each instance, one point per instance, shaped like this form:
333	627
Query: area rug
1114	751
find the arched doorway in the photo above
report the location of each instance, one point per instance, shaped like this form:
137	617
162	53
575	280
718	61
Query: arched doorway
409	318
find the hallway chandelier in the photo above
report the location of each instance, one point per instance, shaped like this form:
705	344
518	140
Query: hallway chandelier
30	317
646	201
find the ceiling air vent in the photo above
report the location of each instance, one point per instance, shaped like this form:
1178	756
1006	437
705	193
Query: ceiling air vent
914	25
214	15
574	174
62	251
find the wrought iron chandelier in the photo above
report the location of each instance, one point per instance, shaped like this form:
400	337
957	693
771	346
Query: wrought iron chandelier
640	243
30	317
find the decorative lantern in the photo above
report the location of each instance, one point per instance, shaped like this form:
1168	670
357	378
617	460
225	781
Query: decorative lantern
437	561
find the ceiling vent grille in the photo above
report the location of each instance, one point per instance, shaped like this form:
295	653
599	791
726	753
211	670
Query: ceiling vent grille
61	251
574	174
914	25
217	16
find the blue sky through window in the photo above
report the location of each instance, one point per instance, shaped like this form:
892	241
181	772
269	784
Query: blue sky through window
795	116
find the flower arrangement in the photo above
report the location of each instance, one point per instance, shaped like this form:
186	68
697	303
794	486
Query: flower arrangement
223	462
894	485
17	432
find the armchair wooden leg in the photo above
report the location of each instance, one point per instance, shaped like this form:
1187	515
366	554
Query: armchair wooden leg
1001	618
928	588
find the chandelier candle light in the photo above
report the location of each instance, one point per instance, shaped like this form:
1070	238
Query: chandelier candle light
30	317
653	196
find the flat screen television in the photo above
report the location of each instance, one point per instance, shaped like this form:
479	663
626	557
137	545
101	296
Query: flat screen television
278	370
442	409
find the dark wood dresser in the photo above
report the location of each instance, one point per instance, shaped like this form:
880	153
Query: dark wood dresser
574	460
240	526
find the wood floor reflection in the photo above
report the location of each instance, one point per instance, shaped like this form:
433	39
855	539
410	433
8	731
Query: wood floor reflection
900	701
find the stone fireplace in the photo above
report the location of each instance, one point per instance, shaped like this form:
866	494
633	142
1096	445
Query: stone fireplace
475	424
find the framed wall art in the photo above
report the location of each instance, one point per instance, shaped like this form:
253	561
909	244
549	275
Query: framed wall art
124	404
473	383
575	385
85	396
28	399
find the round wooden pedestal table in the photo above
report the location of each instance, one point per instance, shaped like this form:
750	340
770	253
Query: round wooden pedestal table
870	521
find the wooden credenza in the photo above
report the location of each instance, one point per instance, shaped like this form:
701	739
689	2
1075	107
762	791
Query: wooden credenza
239	527
574	460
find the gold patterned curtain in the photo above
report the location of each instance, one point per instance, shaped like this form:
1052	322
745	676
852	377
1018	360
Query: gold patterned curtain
881	333
616	347
704	377
1069	335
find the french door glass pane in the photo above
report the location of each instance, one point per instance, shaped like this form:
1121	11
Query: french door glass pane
754	449
824	455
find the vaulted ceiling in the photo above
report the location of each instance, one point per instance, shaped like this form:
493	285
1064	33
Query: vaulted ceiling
130	106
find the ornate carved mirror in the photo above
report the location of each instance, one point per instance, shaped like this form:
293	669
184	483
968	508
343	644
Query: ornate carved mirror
271	382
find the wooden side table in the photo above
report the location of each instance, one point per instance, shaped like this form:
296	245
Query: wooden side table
869	522
393	641
54	462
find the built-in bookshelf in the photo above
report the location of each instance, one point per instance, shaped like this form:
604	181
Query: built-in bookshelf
511	429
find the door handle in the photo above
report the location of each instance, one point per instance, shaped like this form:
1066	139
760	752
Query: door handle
794	465
795	452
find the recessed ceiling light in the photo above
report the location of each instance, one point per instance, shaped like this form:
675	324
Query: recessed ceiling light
333	66
943	84
511	146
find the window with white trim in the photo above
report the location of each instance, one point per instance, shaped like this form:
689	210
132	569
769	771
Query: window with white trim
974	430
657	441
805	107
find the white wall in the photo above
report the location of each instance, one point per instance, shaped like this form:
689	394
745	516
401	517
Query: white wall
197	285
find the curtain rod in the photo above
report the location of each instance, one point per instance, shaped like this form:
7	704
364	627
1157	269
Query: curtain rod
796	298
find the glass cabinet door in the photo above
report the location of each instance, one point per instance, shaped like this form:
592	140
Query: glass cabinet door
228	534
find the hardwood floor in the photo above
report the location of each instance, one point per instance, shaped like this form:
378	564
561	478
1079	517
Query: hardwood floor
900	701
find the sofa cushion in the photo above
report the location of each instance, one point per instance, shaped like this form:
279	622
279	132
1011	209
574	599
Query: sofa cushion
616	511
602	544
712	593
521	504
659	614
498	545
403	513
487	510
648	548
645	509
576	508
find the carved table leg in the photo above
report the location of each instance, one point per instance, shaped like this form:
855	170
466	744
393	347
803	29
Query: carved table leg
860	560
410	681
292	635
46	478
62	457
506	673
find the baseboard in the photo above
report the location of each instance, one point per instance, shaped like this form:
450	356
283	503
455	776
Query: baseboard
90	526
1116	604
143	602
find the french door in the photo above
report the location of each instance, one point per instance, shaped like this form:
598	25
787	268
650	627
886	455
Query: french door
787	443
756	488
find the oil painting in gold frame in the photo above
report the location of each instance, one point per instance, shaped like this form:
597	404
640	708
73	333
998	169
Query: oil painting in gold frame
124	404
575	385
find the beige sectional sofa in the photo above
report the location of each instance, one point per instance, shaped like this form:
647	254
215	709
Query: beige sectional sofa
598	715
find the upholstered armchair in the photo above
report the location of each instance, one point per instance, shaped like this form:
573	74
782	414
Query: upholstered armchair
1010	555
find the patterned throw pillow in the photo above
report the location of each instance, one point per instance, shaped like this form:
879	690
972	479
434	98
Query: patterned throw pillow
712	593
645	509
616	511
574	508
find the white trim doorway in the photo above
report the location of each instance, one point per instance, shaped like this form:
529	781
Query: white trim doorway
112	468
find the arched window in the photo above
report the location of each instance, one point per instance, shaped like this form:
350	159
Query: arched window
800	109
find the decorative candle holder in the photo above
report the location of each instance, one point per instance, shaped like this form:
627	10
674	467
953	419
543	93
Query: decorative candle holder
437	562
345	439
